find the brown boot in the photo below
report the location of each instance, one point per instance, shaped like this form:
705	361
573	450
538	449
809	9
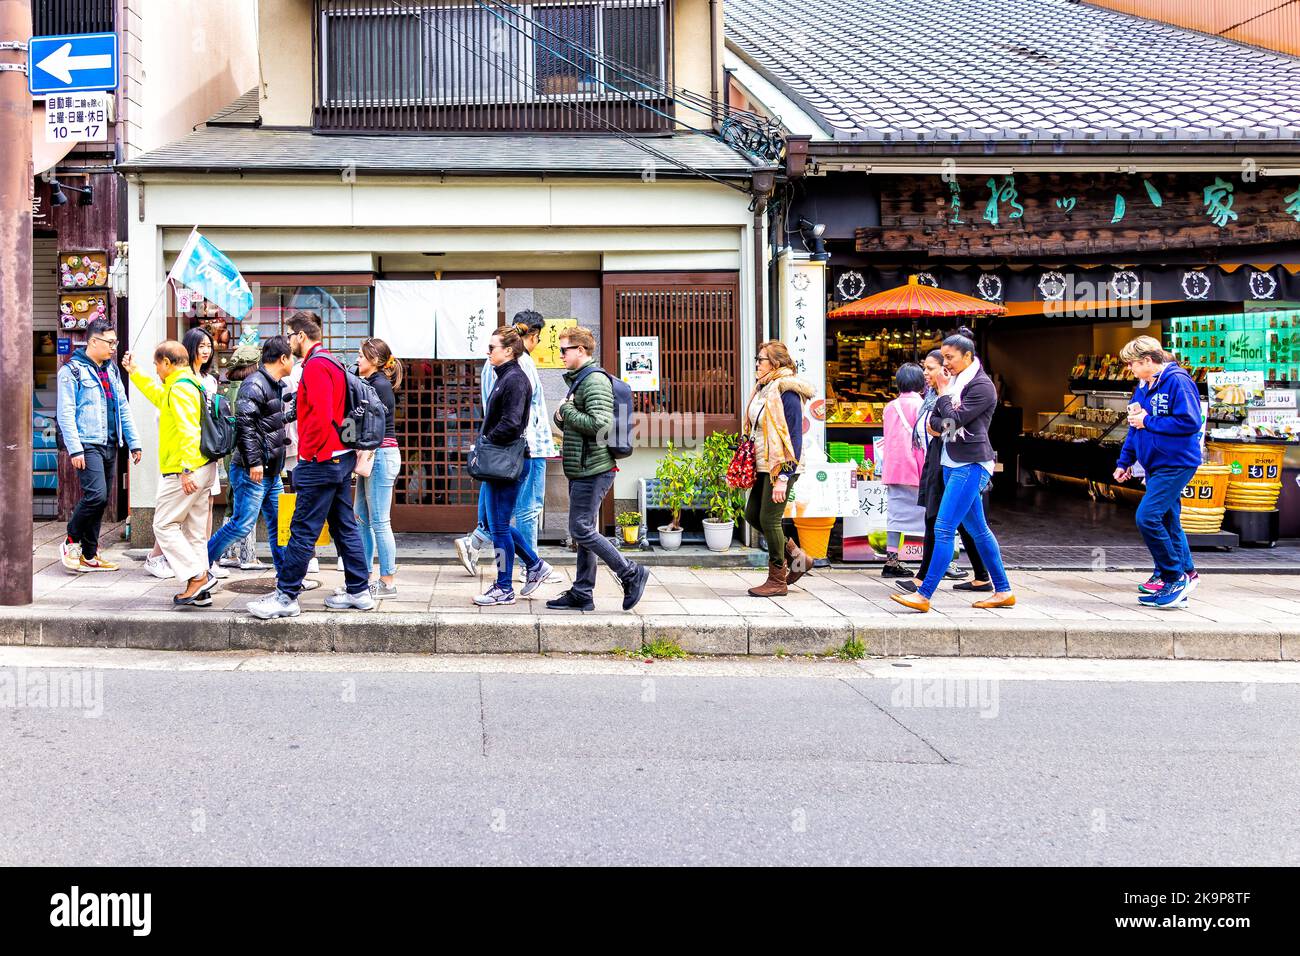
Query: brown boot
797	562
774	586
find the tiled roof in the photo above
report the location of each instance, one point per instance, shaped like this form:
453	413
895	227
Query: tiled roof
245	111
907	70
251	149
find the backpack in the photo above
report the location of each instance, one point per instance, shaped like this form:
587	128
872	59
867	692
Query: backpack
217	433
365	417
619	439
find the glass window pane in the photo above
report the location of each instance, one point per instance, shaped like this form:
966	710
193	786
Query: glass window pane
631	46
561	67
344	312
364	59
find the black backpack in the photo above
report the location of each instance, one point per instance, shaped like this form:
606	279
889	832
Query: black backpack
618	441
217	432
365	417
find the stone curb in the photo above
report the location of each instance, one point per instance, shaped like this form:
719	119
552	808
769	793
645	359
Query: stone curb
468	633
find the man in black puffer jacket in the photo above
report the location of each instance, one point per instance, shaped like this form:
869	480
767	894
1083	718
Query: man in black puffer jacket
255	465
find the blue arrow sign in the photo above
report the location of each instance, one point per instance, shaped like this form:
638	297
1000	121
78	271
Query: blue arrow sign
68	64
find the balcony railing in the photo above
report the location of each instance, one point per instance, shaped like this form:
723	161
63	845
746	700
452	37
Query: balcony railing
491	66
58	17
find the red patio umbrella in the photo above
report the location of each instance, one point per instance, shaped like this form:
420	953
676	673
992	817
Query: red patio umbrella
916	301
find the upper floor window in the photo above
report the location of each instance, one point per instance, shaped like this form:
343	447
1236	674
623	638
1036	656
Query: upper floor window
476	56
60	17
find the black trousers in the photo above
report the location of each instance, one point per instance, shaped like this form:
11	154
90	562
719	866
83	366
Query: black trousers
967	543
95	480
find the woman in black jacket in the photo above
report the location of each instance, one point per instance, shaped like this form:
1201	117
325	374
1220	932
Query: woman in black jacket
961	416
505	423
932	493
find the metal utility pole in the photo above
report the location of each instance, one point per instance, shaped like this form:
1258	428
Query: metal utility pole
15	306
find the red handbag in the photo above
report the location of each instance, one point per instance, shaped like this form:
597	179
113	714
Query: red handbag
740	473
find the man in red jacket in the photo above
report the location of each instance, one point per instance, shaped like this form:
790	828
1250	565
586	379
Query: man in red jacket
322	481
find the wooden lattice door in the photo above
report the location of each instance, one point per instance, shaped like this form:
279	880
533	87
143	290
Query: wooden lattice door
439	413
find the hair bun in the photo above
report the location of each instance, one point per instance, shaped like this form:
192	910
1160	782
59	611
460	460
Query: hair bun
965	330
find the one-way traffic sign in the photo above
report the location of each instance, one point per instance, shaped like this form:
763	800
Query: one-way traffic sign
63	64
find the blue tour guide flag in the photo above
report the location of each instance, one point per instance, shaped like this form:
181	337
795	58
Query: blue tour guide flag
203	267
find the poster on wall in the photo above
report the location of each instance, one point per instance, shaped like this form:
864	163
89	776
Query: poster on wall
547	353
466	316
803	330
638	362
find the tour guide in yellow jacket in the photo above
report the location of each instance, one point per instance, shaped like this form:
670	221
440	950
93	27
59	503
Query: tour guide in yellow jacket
180	515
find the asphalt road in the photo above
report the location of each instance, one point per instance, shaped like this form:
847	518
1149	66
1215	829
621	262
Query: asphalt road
622	763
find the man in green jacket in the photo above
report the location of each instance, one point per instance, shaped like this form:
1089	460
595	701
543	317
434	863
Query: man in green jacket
586	417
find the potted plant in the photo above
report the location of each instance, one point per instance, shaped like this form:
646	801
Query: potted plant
630	522
678	477
726	504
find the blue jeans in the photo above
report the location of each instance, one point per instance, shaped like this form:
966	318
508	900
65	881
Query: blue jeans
501	499
1158	521
324	490
962	505
374	509
248	499
528	507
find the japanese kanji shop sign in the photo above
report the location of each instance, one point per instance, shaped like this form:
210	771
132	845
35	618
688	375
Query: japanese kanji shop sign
803	330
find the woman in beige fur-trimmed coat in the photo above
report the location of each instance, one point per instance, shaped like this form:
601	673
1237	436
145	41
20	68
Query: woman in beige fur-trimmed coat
774	419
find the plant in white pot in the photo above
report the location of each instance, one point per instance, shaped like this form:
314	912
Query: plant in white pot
726	504
678	477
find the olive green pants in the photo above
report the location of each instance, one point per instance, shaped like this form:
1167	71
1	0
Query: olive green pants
765	514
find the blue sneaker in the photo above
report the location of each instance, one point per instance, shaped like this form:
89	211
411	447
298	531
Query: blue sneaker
1171	595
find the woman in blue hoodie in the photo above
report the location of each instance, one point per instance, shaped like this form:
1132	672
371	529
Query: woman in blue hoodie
1164	437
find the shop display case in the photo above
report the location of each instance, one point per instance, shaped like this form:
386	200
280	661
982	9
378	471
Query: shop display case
1082	440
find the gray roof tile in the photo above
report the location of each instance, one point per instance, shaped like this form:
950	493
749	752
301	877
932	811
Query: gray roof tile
901	69
252	149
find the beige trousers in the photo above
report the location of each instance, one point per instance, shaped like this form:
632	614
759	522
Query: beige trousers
180	522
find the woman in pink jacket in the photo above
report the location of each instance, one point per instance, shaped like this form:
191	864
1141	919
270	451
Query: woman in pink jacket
903	465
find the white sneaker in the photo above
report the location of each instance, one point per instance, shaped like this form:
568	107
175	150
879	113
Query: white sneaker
347	602
70	554
157	566
340	565
274	605
229	563
255	565
218	572
313	566
536	578
309	584
494	595
468	555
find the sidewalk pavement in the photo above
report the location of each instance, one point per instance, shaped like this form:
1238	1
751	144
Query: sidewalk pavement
705	611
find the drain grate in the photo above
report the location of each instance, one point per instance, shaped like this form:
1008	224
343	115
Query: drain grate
250	586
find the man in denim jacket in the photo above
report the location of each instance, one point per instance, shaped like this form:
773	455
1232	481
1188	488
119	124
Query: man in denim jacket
95	420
